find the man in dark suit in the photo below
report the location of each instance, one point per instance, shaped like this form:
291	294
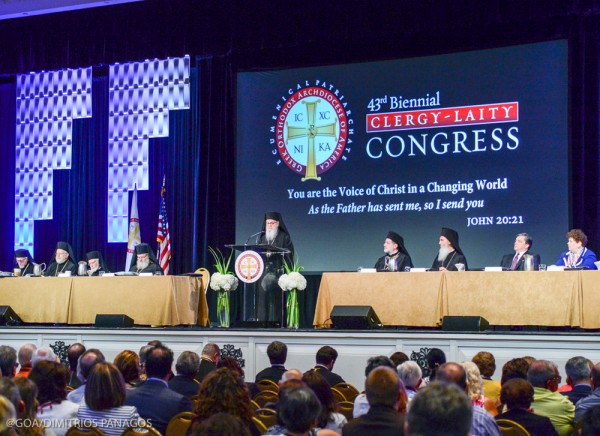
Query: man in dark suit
154	401
517	395
326	357
208	361
277	352
516	262
187	367
579	377
383	393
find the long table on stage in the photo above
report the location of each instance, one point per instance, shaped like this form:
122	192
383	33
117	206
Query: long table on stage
422	299
155	300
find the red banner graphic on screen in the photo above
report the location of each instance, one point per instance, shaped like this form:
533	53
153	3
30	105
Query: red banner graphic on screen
443	117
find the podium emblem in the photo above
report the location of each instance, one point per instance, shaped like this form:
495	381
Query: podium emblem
249	266
311	130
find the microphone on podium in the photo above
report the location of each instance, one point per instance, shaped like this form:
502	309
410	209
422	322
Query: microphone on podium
252	236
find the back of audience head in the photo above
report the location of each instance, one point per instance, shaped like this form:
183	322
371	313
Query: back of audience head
486	363
399	358
590	422
73	353
51	380
578	370
435	359
8	361
43	353
439	408
384	388
543	374
7	414
9	389
277	352
144	350
410	374
474	381
516	393
514	368
128	363
219	424
290	374
315	381
231	364
25	354
188	364
224	390
452	372
377	361
86	362
159	361
105	387
211	351
298	408
29	394
596	376
326	356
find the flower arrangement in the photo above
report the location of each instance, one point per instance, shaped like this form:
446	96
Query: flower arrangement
223	281
292	281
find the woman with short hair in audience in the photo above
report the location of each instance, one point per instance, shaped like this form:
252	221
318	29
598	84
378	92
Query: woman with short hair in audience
29	392
329	417
128	363
104	398
435	358
51	381
224	390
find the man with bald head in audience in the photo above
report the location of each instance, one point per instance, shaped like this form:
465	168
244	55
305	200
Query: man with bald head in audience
208	360
383	390
483	423
84	367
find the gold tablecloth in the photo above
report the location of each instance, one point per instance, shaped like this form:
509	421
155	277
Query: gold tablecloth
156	300
568	298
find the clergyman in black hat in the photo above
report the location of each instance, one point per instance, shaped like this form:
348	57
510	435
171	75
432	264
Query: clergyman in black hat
450	253
144	261
396	256
62	261
276	234
23	261
95	263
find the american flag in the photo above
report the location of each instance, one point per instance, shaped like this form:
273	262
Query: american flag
162	236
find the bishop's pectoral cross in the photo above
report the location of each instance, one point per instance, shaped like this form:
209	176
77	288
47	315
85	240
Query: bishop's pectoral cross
311	131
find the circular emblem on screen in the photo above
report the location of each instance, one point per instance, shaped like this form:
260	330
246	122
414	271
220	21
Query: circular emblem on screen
249	266
312	129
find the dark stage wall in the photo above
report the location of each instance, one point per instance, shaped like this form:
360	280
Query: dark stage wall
224	37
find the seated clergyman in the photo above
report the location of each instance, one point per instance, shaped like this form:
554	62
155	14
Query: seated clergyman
63	260
95	263
396	256
145	261
450	253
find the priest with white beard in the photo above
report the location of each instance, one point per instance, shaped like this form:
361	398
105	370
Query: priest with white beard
144	261
62	261
450	253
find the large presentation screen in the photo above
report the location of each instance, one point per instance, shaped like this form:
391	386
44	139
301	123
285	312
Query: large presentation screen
476	141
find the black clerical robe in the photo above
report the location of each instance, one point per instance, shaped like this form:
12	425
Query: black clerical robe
450	262
402	261
54	269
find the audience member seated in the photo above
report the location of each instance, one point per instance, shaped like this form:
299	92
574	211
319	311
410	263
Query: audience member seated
187	369
51	380
29	392
277	353
232	364
486	363
8	361
9	389
7	416
154	401
128	363
220	424
85	364
361	405
483	423
590	422
104	398
329	418
74	352
208	360
579	378
399	358
514	368
475	389
411	375
543	376
24	358
43	353
326	357
517	395
386	397
223	390
435	358
439	409
592	400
